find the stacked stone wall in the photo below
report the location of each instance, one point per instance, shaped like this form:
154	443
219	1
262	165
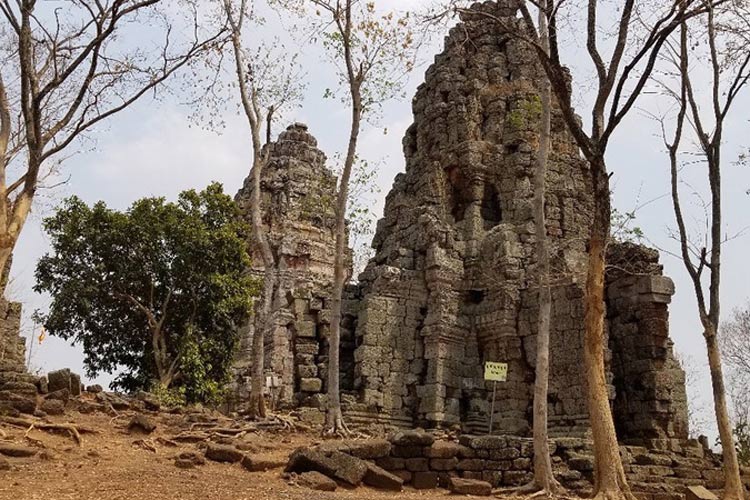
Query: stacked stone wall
424	462
650	406
12	346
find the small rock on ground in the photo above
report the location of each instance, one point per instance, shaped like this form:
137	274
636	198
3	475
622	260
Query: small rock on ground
316	481
142	423
16	450
255	463
224	453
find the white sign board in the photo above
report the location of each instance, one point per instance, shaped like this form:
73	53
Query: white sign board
496	372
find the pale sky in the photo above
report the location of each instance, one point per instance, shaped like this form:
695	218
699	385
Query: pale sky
153	149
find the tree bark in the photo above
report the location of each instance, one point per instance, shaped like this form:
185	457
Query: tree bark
334	418
343	19
733	489
257	404
609	475
544	478
249	99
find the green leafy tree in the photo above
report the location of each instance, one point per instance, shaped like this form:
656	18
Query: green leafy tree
158	290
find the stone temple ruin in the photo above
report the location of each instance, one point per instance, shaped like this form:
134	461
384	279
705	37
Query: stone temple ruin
297	201
452	283
451	286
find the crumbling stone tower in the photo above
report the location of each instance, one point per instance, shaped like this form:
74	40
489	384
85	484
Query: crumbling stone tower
13	373
452	283
297	201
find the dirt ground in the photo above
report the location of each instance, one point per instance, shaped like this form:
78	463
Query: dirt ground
111	464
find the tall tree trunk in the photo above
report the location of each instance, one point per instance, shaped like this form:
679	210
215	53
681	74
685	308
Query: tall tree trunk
733	489
334	418
249	99
15	220
609	475
257	404
5	254
544	479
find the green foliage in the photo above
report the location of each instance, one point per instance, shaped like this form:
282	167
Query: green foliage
169	397
623	228
741	433
115	276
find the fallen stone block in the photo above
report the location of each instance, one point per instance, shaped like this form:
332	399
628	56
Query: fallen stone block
309	460
349	469
334	464
53	407
223	453
255	463
58	380
141	423
60	395
699	493
382	479
16	450
316	481
461	486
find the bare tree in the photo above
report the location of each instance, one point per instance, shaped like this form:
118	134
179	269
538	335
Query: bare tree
544	479
65	70
729	68
372	53
620	79
265	86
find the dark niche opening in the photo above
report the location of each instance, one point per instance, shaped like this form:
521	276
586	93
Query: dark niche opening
475	296
491	211
458	193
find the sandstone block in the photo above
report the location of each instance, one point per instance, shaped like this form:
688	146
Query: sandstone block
443	449
223	453
443	464
412	438
425	480
75	384
417	464
699	493
259	463
142	423
58	380
382	479
311	385
16	450
316	481
53	407
461	486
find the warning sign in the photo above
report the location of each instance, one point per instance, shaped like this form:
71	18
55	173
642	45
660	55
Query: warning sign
497	372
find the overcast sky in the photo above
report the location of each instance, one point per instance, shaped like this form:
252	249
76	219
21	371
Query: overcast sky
153	149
